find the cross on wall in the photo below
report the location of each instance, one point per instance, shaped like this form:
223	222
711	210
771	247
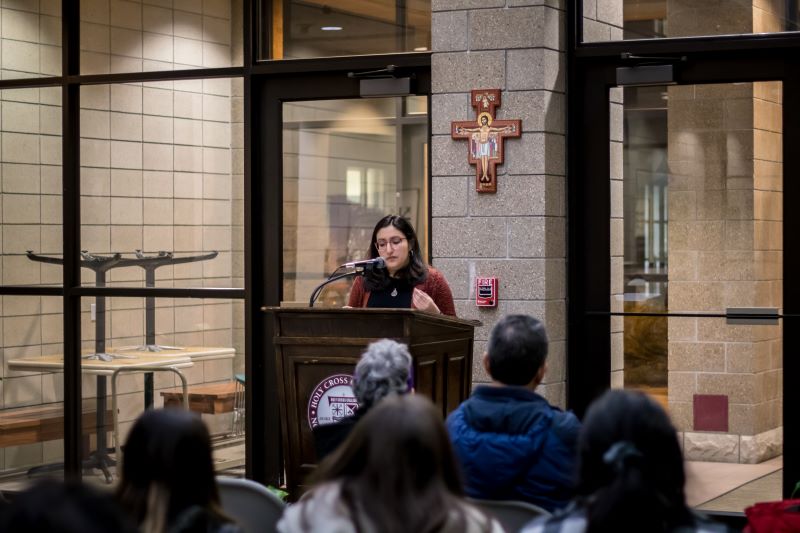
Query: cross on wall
486	136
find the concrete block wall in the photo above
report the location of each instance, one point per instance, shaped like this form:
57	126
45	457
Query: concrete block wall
30	38
687	18
602	20
162	169
147	35
519	233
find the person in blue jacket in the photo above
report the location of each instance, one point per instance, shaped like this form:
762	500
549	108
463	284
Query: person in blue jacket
511	443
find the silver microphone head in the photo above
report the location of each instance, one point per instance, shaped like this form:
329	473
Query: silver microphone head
380	263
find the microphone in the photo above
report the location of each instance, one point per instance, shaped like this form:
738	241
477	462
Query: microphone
377	262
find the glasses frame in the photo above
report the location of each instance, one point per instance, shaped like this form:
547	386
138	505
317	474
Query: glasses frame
387	243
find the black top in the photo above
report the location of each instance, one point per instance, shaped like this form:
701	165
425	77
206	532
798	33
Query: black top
397	295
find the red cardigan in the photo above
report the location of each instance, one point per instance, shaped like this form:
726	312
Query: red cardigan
434	286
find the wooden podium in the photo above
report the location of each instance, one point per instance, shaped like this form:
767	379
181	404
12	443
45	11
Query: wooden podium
317	349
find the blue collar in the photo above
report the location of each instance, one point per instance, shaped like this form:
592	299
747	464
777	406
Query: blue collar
506	391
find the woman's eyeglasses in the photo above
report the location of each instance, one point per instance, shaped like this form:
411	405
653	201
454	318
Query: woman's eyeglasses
394	241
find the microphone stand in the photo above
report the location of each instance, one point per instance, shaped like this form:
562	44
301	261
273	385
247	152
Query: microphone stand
333	277
315	294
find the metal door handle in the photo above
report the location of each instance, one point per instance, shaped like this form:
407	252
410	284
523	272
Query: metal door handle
759	316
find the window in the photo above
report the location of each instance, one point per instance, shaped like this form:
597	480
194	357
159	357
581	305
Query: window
294	29
615	20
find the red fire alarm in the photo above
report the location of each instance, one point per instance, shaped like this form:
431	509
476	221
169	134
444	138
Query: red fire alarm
486	292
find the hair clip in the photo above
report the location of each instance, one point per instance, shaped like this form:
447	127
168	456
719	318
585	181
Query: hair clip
619	453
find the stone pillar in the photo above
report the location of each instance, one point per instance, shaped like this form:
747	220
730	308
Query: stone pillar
517	234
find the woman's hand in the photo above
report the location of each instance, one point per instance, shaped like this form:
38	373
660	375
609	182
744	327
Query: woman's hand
423	302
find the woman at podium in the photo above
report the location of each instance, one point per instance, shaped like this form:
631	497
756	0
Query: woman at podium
406	281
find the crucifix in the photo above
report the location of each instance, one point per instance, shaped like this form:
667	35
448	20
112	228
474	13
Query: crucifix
485	135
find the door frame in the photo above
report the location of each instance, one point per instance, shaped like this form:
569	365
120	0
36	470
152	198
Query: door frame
591	75
272	85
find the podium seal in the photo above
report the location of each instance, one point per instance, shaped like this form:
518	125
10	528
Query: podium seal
331	400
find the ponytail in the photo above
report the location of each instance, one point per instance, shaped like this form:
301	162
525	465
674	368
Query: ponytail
632	501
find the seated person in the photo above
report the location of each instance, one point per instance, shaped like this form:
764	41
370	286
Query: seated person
511	443
395	473
53	506
631	473
384	370
167	483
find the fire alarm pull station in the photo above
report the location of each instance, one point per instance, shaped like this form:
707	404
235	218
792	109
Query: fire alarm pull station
486	292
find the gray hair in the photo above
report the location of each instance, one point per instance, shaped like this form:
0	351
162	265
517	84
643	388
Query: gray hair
382	371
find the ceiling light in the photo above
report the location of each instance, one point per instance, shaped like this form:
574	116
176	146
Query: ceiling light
421	49
331	28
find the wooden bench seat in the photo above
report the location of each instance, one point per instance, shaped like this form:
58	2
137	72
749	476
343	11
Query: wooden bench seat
39	423
209	398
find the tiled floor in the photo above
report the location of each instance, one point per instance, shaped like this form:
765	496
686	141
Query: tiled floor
732	487
767	488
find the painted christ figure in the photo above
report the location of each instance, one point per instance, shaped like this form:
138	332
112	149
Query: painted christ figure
484	142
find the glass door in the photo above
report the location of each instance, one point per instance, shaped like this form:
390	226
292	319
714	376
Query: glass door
327	164
696	276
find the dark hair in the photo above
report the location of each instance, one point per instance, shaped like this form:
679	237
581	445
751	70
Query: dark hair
415	272
517	349
631	466
397	469
56	507
167	462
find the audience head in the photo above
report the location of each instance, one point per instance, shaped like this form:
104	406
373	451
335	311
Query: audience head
167	468
630	465
383	371
517	350
55	507
397	467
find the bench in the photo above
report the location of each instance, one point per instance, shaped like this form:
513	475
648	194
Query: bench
28	425
209	398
